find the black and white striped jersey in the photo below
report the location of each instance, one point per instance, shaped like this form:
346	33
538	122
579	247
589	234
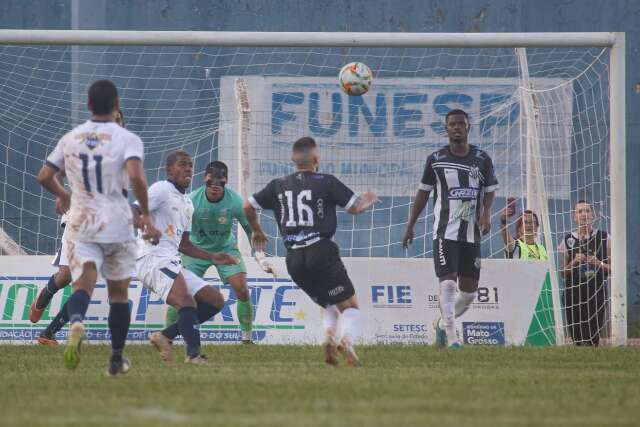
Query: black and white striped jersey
459	185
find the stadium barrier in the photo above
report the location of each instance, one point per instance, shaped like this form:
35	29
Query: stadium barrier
398	298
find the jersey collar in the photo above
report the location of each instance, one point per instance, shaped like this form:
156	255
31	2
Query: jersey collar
177	187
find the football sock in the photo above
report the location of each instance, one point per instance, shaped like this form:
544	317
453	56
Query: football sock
171	317
245	315
448	291
330	319
351	324
59	321
49	291
463	301
189	329
77	305
205	312
119	320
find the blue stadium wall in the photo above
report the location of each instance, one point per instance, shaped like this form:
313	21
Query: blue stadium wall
354	15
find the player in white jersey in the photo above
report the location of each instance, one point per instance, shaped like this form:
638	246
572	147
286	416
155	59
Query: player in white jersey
100	159
159	267
464	184
58	280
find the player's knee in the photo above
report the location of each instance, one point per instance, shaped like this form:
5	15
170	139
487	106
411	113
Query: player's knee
63	276
242	293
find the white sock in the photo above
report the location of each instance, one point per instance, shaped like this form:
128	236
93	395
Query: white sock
463	301
448	291
350	324
330	320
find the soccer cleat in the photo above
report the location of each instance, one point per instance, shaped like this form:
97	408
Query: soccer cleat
200	359
441	335
456	344
35	313
346	349
247	342
330	351
46	338
118	365
246	337
163	345
72	351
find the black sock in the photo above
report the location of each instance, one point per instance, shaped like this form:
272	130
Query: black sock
77	305
59	321
189	329
44	298
119	320
205	312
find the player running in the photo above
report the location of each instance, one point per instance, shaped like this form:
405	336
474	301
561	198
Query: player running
215	207
99	159
59	279
464	185
304	204
159	269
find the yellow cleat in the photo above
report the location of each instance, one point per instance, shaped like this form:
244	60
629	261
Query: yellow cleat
72	351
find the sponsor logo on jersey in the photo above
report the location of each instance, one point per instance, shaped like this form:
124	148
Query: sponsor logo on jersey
474	172
336	291
483	333
462	193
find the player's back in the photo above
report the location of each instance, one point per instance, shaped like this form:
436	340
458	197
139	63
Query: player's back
305	205
95	154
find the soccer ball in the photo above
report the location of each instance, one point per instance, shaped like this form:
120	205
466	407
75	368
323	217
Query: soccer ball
355	78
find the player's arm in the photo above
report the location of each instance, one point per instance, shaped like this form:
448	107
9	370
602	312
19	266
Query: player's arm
263	199
242	219
343	196
138	181
189	249
485	217
48	179
363	202
427	183
490	187
258	237
419	203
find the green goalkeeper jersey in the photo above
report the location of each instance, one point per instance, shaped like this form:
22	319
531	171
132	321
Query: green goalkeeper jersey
212	222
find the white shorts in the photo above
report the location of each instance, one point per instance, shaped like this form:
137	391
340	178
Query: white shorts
114	261
62	257
158	273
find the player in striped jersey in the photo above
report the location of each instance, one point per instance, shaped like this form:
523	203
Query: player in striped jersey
463	182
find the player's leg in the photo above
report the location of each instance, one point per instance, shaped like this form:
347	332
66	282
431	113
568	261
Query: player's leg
86	259
209	302
446	260
48	335
236	277
57	281
188	325
119	321
336	290
195	265
118	267
469	266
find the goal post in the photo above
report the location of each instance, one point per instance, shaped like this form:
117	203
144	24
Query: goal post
548	107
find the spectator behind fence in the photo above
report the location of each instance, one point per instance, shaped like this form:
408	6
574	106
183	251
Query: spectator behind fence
523	244
585	257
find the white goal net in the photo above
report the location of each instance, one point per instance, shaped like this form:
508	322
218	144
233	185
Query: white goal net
542	113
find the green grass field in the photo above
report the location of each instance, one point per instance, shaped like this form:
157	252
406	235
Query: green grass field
289	386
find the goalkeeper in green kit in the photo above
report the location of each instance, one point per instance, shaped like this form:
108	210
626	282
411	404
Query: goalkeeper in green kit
214	209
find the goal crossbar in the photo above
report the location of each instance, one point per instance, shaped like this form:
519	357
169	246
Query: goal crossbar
304	39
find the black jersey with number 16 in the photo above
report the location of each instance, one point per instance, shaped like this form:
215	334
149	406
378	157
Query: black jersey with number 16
304	204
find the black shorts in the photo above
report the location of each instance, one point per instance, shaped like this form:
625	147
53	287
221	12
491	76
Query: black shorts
451	256
320	273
